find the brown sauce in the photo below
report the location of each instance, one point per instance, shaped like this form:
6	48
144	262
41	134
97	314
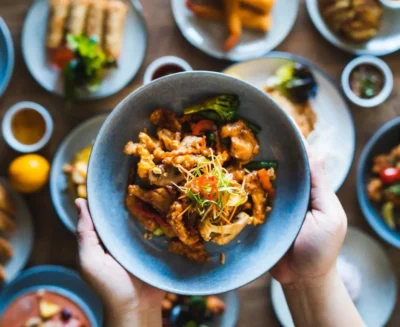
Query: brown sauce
166	70
28	126
366	81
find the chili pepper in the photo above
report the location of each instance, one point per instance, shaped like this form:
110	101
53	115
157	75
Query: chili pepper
203	126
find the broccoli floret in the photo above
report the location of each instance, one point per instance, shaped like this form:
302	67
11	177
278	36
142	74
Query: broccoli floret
221	108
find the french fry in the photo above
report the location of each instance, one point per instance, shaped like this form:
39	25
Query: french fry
263	6
233	23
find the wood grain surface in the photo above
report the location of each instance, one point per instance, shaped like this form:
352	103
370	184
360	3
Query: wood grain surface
54	244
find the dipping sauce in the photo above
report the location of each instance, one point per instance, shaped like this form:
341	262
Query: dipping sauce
28	126
366	81
166	70
40	306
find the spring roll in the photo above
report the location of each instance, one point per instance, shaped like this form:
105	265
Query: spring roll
77	16
58	16
233	23
264	6
95	19
115	22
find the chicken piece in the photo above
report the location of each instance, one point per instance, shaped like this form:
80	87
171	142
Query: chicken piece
146	163
187	161
198	255
171	140
374	189
380	163
7	224
150	143
165	118
6	250
175	218
6	203
237	174
253	187
163	175
139	211
244	145
189	145
160	199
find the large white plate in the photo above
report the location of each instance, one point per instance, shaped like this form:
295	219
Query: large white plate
209	36
35	56
379	288
22	238
334	134
386	41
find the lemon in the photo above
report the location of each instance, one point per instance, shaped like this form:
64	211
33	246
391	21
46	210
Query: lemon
29	173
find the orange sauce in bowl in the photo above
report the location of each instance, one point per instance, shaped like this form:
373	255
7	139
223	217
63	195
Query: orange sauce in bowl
28	126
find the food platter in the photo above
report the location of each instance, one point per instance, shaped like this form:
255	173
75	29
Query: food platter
334	128
208	36
35	56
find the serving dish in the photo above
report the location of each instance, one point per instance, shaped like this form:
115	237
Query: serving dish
385	139
35	56
59	280
334	127
209	36
80	137
165	66
377	298
386	41
149	260
6	56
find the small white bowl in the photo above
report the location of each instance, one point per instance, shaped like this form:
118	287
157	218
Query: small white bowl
387	86
392	4
163	61
9	136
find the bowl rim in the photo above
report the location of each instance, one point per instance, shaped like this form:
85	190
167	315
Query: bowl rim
374	220
161	61
387	88
90	190
9	53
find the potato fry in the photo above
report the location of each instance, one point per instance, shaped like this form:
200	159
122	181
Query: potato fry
264	6
233	23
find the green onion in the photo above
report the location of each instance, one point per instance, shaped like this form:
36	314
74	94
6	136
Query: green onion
158	232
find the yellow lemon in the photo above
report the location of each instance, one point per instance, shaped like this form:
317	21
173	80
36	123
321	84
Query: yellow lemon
29	173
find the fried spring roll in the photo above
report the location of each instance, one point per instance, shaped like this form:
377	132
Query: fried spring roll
95	19
77	16
264	6
233	23
58	16
115	22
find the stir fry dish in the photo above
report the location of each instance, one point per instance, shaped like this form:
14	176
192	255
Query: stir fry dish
237	14
7	225
84	40
357	20
77	173
384	187
197	181
292	86
190	311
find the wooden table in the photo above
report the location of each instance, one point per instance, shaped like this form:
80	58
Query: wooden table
54	244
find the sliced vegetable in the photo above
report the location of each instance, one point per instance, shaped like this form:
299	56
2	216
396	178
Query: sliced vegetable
203	126
222	108
394	189
266	181
257	165
388	214
390	175
158	232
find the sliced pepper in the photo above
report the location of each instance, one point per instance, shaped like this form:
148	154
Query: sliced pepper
203	126
388	214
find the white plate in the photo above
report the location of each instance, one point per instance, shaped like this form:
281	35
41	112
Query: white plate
334	134
386	41
35	54
209	36
379	287
22	238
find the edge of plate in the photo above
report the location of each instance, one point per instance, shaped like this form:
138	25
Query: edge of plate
10	53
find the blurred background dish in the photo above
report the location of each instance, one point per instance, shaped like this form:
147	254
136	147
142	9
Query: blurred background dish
62	189
134	45
386	39
384	220
210	36
164	66
6	56
333	127
377	293
394	4
20	236
57	280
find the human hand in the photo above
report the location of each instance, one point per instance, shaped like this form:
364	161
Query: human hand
314	253
127	300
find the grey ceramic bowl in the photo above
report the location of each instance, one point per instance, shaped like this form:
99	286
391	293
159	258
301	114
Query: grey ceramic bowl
6	56
260	247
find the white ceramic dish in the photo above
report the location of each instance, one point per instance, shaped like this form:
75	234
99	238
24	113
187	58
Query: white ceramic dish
334	134
379	287
164	61
22	238
7	129
132	56
386	41
209	36
387	87
393	4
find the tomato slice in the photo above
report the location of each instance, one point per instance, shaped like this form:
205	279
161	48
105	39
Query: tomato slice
61	57
390	175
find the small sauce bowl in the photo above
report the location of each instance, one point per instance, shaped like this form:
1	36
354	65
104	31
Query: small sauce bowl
27	127
392	4
164	66
373	66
